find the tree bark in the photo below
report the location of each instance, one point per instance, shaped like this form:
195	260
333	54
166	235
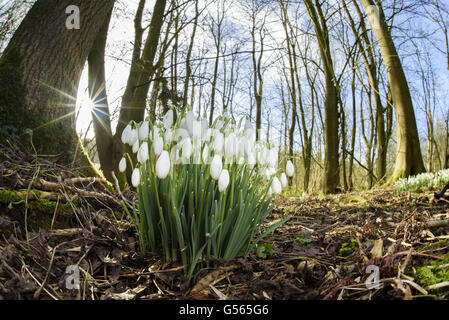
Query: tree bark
408	159
331	137
53	58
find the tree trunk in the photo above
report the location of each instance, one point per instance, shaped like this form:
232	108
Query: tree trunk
97	92
331	137
52	59
409	159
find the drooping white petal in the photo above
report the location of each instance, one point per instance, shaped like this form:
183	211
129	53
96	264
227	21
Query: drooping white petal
143	154
158	145
216	167
190	118
273	157
276	186
231	145
133	137
144	130
218	142
163	165
135	177
205	156
290	169
186	148
126	133
251	160
284	181
223	180
122	165
168	119
136	146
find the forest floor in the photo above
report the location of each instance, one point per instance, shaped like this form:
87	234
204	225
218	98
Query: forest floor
332	247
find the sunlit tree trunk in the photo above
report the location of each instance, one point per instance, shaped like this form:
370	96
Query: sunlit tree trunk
409	159
331	136
52	59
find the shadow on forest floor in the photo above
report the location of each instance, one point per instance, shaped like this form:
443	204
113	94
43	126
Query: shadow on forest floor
323	252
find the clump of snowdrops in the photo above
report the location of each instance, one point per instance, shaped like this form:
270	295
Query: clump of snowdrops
203	191
423	180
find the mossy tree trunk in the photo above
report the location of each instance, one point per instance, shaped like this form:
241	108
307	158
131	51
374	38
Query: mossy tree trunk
52	59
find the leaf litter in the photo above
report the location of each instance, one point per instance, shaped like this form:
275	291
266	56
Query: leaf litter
322	252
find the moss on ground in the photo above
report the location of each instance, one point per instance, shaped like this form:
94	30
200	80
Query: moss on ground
40	211
348	247
433	272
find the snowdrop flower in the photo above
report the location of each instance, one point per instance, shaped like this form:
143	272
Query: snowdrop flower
133	137
142	154
144	130
154	133
276	186
196	130
163	165
136	146
251	160
272	157
168	136
186	148
168	119
284	181
122	165
126	133
231	145
216	167
218	142
290	169
135	177
270	191
206	154
190	118
223	180
158	145
248	125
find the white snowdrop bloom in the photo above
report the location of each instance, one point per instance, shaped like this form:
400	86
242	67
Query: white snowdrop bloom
231	145
270	191
251	160
190	118
126	133
205	156
186	148
144	130
136	146
196	130
154	133
168	119
223	180
158	145
133	137
142	154
242	146
218	142
182	124
263	155
122	165
168	136
273	157
290	169
208	134
135	177
284	181
276	186
163	165
216	167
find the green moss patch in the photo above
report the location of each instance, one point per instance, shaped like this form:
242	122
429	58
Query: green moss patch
433	272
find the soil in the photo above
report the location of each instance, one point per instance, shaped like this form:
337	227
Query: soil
332	247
